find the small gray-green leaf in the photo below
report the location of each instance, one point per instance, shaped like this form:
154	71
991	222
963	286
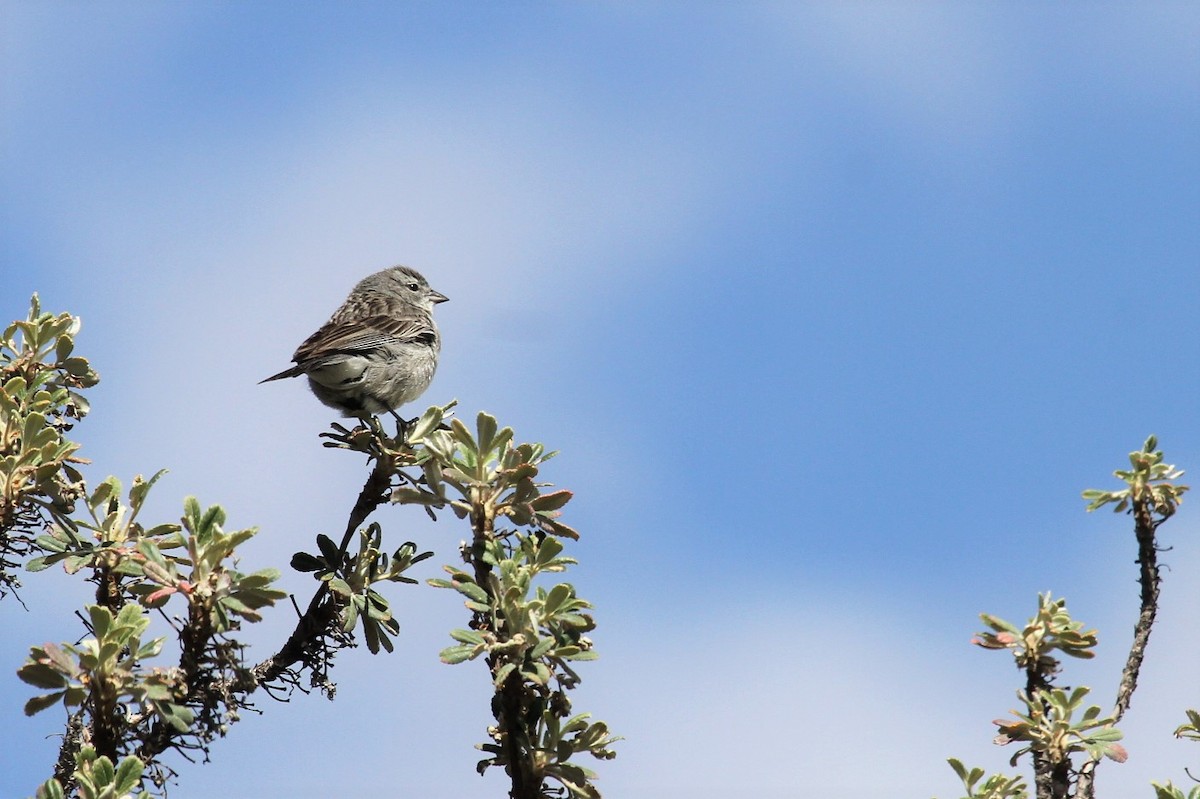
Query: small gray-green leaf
39	703
457	654
467	637
471	591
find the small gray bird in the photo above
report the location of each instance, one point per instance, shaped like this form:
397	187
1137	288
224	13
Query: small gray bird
379	350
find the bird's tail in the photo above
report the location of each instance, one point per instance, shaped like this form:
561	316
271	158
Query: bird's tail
293	371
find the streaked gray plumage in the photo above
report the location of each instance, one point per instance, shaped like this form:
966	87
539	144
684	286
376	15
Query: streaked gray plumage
379	350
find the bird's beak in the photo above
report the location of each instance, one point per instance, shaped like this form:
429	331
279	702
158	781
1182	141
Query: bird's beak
437	296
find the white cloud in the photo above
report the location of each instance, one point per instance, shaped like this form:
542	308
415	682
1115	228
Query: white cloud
937	69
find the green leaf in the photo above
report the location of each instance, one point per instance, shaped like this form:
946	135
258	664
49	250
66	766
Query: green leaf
538	673
76	367
463	435
1106	734
191	514
63	347
103	771
82	406
552	501
42	675
128	775
378	607
237	606
549	549
304	562
161	531
150	648
575	620
385	641
101	618
428	422
213	518
34	423
999	624
130	615
328	549
39	703
42	563
542	647
178	717
502	673
259	579
560	529
557	596
457	654
16	386
140	487
485	426
462	636
50	789
351	615
419	556
415	496
371	634
471	591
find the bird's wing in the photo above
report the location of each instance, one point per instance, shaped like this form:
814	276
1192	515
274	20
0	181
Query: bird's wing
359	335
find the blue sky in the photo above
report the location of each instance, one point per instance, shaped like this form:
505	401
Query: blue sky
832	310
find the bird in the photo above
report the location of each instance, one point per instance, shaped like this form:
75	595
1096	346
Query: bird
378	351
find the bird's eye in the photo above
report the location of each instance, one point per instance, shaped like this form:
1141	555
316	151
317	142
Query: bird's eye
413	286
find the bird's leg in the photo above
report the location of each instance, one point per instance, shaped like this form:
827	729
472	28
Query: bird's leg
371	423
402	427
